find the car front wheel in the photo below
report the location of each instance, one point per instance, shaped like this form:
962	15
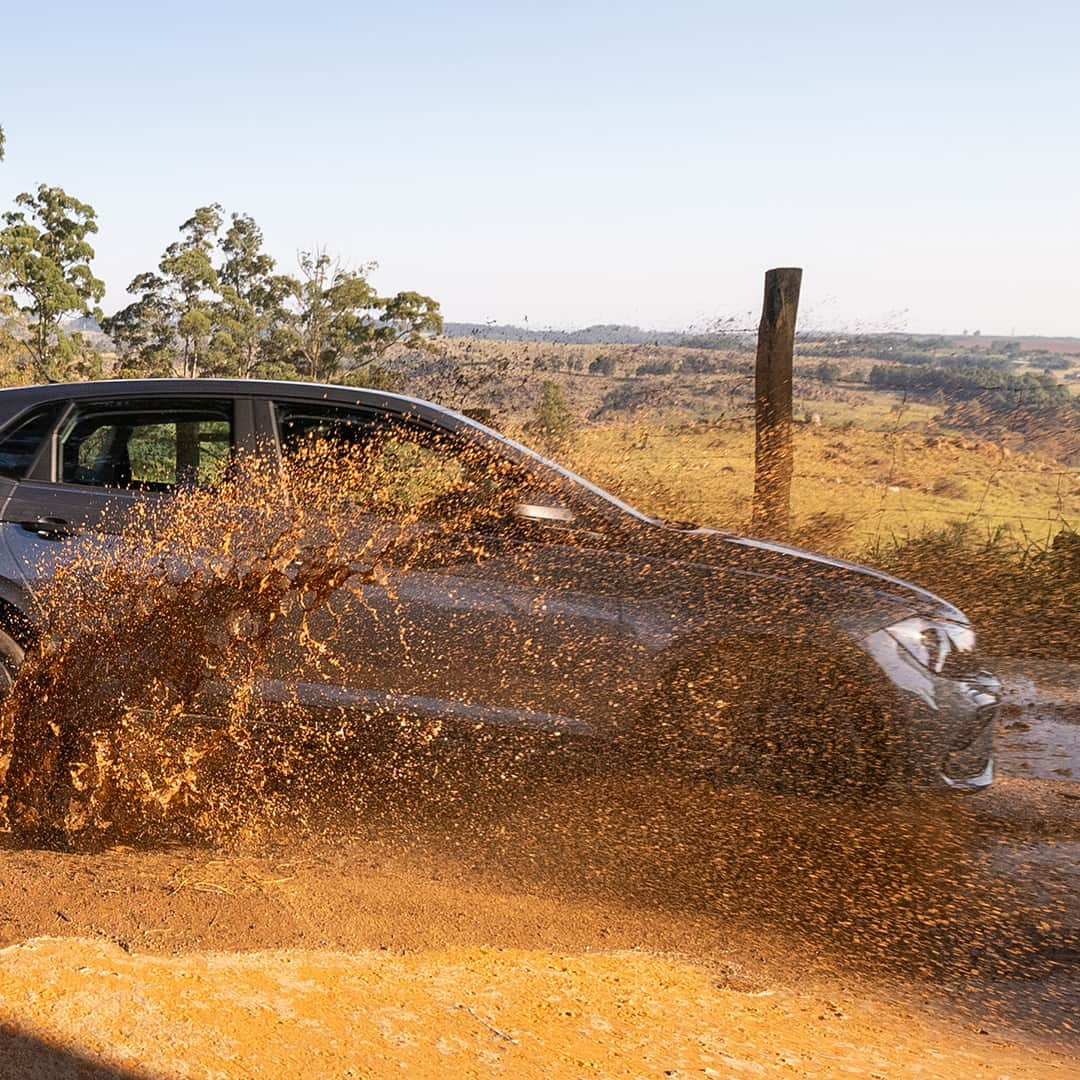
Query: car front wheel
781	718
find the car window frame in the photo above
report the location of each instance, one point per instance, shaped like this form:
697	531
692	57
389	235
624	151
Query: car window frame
47	469
372	414
61	407
41	468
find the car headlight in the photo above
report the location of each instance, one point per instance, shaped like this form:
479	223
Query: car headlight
936	643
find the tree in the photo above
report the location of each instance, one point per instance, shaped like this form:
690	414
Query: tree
143	332
656	367
169	329
312	337
45	263
827	372
701	363
12	337
216	307
552	421
9	342
250	314
338	321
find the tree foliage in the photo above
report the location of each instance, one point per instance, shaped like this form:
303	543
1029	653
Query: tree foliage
216	306
9	342
251	314
168	329
338	321
996	390
12	335
45	272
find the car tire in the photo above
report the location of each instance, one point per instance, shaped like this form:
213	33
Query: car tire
12	656
782	718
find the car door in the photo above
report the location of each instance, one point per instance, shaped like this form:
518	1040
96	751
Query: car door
568	650
101	458
480	615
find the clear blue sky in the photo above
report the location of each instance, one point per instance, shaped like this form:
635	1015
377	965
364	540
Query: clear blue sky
583	162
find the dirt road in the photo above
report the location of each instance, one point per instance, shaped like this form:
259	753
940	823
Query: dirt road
592	924
461	1013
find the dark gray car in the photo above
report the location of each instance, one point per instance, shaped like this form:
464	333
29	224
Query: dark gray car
580	615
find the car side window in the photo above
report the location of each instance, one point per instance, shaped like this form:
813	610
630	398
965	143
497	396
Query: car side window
147	445
19	446
397	466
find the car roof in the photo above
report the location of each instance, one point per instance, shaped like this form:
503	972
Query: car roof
235	387
14	400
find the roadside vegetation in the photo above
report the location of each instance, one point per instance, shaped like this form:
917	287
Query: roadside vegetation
1023	596
853	487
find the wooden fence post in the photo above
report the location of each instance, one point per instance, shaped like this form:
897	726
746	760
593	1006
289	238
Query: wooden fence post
773	453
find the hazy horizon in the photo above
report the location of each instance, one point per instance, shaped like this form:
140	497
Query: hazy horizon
584	164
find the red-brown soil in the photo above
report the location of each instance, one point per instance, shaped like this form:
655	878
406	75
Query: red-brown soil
594	925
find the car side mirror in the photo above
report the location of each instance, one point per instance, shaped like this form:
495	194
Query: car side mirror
543	513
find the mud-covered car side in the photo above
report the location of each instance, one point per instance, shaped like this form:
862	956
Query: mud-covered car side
581	615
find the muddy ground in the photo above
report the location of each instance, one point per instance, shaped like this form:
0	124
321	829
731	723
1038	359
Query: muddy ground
581	922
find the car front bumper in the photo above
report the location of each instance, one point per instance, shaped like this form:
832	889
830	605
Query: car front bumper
948	722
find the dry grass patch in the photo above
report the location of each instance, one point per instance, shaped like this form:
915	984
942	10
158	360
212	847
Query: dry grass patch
867	485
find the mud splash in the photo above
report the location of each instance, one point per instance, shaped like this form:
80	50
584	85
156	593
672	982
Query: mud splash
141	718
138	711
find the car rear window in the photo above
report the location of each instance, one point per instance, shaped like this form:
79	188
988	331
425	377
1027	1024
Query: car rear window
147	445
19	446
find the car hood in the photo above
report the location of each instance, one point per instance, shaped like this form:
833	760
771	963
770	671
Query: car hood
771	559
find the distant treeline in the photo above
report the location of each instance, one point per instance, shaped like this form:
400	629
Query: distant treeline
999	354
604	334
914	349
995	388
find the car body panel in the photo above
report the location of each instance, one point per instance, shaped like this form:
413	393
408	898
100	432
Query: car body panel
565	627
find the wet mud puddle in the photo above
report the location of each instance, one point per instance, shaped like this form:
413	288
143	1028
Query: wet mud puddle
1039	730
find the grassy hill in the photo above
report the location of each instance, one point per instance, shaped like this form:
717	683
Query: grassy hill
669	428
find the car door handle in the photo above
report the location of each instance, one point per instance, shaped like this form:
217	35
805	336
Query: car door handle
50	528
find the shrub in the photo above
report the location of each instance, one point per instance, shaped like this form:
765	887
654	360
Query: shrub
949	488
552	422
1024	597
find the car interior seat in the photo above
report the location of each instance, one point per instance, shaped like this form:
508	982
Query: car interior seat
112	466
